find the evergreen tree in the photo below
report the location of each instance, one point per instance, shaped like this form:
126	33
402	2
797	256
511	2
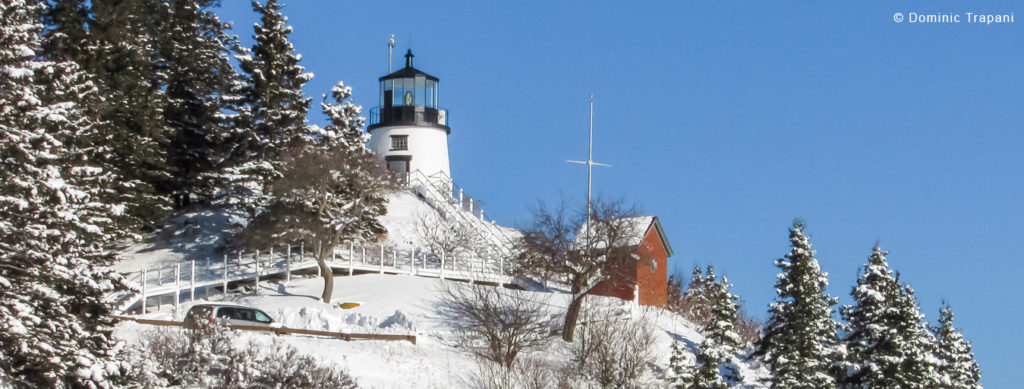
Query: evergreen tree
956	366
697	299
66	36
800	342
57	218
198	79
887	342
123	58
715	366
680	368
276	105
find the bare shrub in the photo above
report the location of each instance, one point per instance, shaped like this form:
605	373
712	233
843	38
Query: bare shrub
182	357
613	352
210	357
496	324
748	328
286	367
443	234
528	373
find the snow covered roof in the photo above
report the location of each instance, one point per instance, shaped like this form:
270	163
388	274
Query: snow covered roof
635	230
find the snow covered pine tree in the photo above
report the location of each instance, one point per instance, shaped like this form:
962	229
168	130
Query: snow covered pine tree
957	367
197	74
122	55
800	341
275	109
715	366
717	357
56	219
888	345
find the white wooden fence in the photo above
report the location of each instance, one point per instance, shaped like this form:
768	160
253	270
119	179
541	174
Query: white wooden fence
280	262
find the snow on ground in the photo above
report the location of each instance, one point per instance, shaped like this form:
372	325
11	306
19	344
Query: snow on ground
199	233
403	304
195	233
402	219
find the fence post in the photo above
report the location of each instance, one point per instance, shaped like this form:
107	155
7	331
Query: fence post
381	261
177	284
143	309
257	284
302	250
382	254
362	257
350	258
287	268
460	197
423	259
159	276
225	282
192	282
442	264
412	261
470	205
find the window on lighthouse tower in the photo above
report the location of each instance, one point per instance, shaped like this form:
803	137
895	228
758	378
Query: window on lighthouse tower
399	142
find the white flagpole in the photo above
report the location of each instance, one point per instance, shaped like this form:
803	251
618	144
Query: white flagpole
590	160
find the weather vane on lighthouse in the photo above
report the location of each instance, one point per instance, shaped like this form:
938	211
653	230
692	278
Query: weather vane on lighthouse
391	45
590	160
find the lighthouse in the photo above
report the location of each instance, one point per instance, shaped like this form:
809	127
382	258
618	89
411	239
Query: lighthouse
408	129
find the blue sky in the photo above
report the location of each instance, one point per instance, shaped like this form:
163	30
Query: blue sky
728	119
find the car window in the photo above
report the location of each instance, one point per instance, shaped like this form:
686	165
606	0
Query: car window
261	317
227	313
243	314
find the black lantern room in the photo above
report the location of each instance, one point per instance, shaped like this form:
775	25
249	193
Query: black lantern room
408	97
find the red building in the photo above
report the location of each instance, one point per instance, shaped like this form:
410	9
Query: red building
645	278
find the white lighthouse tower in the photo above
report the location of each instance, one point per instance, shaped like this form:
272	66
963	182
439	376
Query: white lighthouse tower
407	128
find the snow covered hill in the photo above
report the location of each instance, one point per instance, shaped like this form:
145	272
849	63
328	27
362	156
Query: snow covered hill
388	304
402	304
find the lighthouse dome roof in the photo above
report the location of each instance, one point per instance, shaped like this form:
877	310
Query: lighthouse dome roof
408	71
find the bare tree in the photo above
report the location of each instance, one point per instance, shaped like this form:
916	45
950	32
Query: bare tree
497	324
748	328
444	234
581	254
613	352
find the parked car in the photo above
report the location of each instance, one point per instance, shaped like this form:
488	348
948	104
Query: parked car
234	314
